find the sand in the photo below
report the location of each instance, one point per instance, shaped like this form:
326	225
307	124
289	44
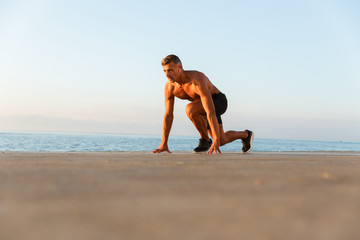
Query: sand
138	195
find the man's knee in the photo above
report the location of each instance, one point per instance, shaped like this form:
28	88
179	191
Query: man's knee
223	141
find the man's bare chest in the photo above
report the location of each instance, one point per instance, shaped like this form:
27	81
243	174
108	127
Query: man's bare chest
185	92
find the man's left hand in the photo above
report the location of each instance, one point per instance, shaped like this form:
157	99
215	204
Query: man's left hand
215	148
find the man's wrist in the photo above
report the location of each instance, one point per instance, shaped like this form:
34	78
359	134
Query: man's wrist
216	139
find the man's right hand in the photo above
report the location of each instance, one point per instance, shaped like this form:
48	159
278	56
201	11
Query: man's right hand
162	149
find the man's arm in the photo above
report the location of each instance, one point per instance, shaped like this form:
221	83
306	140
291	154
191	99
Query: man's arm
209	108
168	119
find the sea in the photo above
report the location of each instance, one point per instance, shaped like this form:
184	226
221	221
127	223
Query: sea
84	142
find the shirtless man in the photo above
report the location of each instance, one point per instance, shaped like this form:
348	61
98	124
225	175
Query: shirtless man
206	107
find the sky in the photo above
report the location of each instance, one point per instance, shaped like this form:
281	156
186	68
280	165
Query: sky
290	69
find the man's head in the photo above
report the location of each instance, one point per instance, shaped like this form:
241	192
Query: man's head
172	67
171	58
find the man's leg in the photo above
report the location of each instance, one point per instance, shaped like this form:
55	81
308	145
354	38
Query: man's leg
220	103
195	112
230	136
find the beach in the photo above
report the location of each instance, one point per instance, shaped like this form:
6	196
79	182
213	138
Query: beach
139	195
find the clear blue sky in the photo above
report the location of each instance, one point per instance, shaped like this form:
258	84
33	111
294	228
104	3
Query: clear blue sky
290	69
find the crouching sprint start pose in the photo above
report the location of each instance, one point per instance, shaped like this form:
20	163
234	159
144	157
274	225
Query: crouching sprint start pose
206	106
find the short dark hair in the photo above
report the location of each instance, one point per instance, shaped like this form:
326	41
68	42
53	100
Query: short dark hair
171	58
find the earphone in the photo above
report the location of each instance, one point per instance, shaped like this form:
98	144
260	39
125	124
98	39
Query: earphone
179	70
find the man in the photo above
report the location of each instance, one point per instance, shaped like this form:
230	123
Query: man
205	110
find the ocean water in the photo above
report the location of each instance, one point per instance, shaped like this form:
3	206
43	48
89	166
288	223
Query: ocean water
34	142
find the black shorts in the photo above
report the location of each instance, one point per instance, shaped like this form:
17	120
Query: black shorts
220	103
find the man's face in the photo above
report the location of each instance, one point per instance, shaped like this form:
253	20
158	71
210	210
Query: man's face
172	71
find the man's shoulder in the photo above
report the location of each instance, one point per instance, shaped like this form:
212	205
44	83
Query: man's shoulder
194	74
169	85
196	77
169	88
